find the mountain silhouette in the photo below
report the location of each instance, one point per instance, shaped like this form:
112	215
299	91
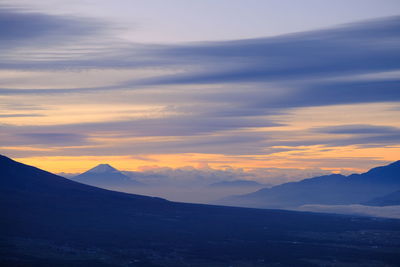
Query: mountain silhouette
102	168
237	183
36	184
48	220
334	189
106	176
391	199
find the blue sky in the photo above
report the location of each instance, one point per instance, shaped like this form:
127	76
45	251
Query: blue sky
158	21
229	84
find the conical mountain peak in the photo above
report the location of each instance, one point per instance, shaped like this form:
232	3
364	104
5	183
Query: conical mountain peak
105	176
103	168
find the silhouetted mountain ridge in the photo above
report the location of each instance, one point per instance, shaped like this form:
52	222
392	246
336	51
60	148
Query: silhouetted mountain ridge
20	178
237	183
47	220
103	168
392	199
334	189
105	176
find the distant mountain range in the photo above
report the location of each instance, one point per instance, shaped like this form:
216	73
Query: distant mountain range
334	189
106	176
47	220
391	199
237	183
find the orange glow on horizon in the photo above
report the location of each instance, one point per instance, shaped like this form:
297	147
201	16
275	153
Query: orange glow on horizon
305	157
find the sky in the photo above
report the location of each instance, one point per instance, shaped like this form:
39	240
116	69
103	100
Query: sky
242	86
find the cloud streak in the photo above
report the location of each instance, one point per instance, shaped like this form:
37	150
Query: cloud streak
226	97
371	46
23	27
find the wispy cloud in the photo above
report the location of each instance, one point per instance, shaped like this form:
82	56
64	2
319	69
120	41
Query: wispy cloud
358	129
27	28
20	115
212	97
46	139
370	46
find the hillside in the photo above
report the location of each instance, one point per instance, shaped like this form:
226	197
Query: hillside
332	189
47	220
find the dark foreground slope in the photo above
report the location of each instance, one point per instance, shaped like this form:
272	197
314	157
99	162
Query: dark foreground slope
46	220
334	189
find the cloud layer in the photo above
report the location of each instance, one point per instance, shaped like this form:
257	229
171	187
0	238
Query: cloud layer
232	98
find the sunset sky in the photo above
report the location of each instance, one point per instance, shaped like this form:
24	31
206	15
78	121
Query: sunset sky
309	85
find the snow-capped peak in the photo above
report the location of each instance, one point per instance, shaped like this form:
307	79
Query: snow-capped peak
102	168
